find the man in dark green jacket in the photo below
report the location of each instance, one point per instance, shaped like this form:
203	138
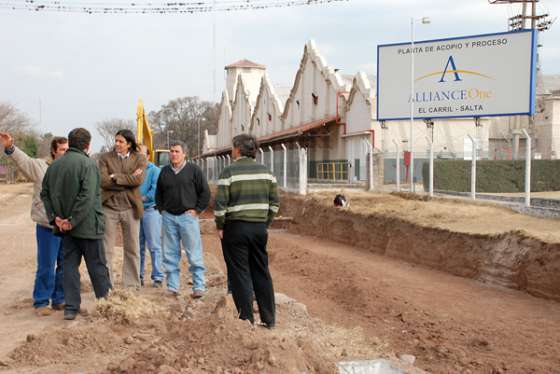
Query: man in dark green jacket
72	197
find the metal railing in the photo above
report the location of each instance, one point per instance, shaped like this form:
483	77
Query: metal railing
330	170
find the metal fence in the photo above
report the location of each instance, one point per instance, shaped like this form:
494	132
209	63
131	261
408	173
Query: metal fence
383	171
287	162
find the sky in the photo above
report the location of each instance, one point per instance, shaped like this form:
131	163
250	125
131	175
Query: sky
65	70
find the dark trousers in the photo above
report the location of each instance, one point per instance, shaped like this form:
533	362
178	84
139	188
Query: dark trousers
244	247
94	254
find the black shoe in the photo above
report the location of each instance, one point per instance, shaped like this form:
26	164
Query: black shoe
141	282
157	284
70	315
269	326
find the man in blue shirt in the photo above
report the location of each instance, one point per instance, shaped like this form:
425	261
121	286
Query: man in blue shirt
150	224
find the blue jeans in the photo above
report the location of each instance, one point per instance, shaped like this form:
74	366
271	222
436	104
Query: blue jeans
48	278
150	234
184	229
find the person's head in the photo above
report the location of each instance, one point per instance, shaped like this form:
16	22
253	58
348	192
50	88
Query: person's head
144	150
59	146
244	145
177	153
79	138
125	142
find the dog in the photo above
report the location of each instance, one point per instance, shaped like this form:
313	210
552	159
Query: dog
340	201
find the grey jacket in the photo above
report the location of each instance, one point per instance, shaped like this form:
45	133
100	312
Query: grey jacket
34	169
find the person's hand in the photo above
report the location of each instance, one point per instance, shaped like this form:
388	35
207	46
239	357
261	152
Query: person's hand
137	172
58	221
192	212
144	198
6	140
63	224
221	234
66	225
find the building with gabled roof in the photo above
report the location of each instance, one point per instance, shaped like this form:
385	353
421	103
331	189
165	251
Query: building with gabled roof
333	115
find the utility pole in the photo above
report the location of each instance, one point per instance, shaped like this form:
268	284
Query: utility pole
214	97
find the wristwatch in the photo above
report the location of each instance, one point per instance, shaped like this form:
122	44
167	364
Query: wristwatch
10	150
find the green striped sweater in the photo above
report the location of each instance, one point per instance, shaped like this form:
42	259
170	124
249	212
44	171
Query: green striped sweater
247	191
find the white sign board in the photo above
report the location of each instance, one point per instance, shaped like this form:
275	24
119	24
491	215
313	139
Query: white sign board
475	76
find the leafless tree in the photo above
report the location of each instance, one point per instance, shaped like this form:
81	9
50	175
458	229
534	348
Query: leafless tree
183	118
13	121
108	128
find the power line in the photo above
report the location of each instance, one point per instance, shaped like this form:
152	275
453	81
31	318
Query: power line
183	7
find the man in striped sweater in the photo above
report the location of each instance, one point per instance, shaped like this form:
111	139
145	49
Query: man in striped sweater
246	203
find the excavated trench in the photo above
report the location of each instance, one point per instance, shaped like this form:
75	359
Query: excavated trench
511	259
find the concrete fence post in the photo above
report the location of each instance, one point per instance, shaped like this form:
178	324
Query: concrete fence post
369	164
527	168
285	166
271	159
302	153
473	168
398	161
431	177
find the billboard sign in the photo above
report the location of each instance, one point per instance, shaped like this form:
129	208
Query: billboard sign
474	76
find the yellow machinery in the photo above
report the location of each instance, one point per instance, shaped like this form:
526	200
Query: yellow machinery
160	157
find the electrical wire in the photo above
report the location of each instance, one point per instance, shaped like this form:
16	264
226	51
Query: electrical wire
181	7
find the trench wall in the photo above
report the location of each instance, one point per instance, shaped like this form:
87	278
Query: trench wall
511	259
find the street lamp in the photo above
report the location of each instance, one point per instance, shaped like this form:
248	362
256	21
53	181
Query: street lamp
423	20
168	132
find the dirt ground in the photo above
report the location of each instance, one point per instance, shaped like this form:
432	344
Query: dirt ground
348	303
456	215
147	331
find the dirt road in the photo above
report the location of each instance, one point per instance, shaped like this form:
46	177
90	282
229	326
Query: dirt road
17	268
147	331
451	324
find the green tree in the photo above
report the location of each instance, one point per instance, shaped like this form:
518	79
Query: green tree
29	144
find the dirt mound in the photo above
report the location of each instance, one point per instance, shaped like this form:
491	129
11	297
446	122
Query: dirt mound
66	346
147	331
127	306
209	338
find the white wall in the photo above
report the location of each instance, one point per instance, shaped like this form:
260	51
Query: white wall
268	111
251	79
223	137
314	78
241	110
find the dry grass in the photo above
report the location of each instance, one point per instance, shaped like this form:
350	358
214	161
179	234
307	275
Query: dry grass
450	214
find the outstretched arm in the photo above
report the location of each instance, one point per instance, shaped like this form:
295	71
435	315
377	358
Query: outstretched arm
34	169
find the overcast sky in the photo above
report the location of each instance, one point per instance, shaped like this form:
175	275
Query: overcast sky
65	70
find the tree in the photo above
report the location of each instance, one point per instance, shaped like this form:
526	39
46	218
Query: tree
12	121
44	149
107	129
29	144
182	118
